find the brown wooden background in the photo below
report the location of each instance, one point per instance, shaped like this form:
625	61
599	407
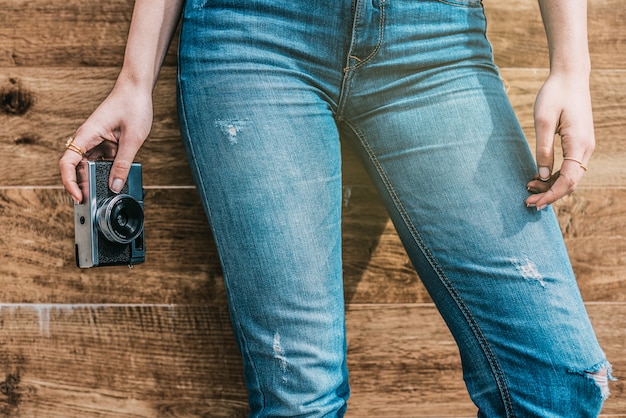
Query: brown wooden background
155	341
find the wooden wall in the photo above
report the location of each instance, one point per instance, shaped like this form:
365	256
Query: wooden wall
155	341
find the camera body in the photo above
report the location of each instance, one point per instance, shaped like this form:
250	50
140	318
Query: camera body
108	226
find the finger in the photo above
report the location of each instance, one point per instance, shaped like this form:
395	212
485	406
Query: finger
561	188
76	150
67	166
545	130
126	151
569	176
536	185
82	146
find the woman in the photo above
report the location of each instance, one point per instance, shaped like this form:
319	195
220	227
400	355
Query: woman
266	91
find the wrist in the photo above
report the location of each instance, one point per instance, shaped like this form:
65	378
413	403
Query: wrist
130	78
578	68
571	65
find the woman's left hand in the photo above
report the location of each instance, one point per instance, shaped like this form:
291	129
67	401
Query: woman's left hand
563	107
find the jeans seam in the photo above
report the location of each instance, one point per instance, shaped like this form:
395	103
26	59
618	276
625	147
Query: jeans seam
471	321
381	34
465	3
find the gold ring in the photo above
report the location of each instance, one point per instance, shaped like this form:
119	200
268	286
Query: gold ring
73	147
580	163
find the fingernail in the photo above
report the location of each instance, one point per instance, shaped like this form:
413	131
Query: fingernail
540	208
544	173
76	202
117	185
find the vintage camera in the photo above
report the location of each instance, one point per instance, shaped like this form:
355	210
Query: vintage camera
108	226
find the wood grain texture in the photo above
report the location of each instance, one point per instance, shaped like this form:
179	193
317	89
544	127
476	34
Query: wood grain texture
119	361
516	31
181	361
65	33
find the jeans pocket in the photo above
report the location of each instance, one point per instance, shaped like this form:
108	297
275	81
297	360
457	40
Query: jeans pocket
463	3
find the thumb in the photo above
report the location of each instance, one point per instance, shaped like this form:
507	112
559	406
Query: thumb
121	165
545	130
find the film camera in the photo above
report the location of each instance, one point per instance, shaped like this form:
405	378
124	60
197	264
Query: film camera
108	226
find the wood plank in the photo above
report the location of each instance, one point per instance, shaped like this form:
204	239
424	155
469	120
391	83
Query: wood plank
607	47
32	142
174	360
56	33
516	32
119	361
37	264
60	33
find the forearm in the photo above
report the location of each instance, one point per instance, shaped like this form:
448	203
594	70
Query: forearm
151	30
565	22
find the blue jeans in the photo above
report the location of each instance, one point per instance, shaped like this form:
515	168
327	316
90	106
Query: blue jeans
267	90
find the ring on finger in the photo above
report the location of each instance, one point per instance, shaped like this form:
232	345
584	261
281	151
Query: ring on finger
70	145
580	163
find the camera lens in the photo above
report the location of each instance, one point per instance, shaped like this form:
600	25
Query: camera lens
120	218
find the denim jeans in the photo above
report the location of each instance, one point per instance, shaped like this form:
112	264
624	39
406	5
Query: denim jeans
267	93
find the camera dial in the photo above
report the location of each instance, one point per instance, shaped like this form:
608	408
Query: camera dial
120	218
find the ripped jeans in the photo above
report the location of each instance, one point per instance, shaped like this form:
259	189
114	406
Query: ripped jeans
267	90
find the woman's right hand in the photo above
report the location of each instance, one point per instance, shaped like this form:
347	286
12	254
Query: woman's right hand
115	130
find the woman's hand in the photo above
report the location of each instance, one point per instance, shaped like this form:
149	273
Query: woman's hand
116	129
120	125
563	107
